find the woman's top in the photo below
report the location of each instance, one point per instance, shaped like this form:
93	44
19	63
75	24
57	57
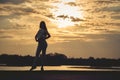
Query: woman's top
42	35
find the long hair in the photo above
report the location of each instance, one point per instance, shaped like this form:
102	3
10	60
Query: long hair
43	25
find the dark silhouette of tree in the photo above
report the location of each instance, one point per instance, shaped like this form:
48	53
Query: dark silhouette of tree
57	59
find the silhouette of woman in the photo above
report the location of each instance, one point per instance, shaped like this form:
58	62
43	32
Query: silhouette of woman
41	37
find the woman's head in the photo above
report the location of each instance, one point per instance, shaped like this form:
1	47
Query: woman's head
43	25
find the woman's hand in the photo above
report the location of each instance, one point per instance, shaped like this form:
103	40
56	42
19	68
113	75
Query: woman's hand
48	36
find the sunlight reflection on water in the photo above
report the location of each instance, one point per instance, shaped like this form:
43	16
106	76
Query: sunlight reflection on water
58	68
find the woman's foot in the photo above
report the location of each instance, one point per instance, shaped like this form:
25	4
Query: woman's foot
33	67
42	69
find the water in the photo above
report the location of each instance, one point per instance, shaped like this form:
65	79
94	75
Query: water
58	68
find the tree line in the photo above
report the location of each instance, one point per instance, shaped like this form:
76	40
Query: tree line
57	59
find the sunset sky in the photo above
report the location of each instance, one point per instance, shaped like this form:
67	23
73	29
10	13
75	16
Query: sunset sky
78	28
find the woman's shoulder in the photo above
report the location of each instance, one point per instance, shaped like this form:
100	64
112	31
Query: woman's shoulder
41	31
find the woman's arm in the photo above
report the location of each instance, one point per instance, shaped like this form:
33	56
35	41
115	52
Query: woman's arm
36	36
48	35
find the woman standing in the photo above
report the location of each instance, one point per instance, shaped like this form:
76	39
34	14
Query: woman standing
41	37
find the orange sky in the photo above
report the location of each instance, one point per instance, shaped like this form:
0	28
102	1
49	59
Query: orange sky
79	28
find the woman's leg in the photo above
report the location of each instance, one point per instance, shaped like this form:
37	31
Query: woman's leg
36	57
43	56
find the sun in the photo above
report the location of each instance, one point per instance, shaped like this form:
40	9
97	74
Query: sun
62	23
64	13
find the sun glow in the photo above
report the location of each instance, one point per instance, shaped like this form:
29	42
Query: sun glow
62	23
66	14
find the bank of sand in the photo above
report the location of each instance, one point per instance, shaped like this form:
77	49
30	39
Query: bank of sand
60	75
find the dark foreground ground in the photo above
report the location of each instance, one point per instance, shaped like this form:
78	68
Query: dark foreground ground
60	75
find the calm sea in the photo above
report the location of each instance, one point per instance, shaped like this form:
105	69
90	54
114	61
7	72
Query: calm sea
59	68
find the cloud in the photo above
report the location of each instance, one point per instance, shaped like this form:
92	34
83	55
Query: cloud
103	35
71	3
116	17
96	45
44	0
33	7
100	29
111	9
76	19
113	24
73	19
94	37
17	10
63	16
5	23
104	1
12	1
5	37
50	16
6	34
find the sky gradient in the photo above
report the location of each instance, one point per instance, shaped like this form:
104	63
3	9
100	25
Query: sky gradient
79	28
